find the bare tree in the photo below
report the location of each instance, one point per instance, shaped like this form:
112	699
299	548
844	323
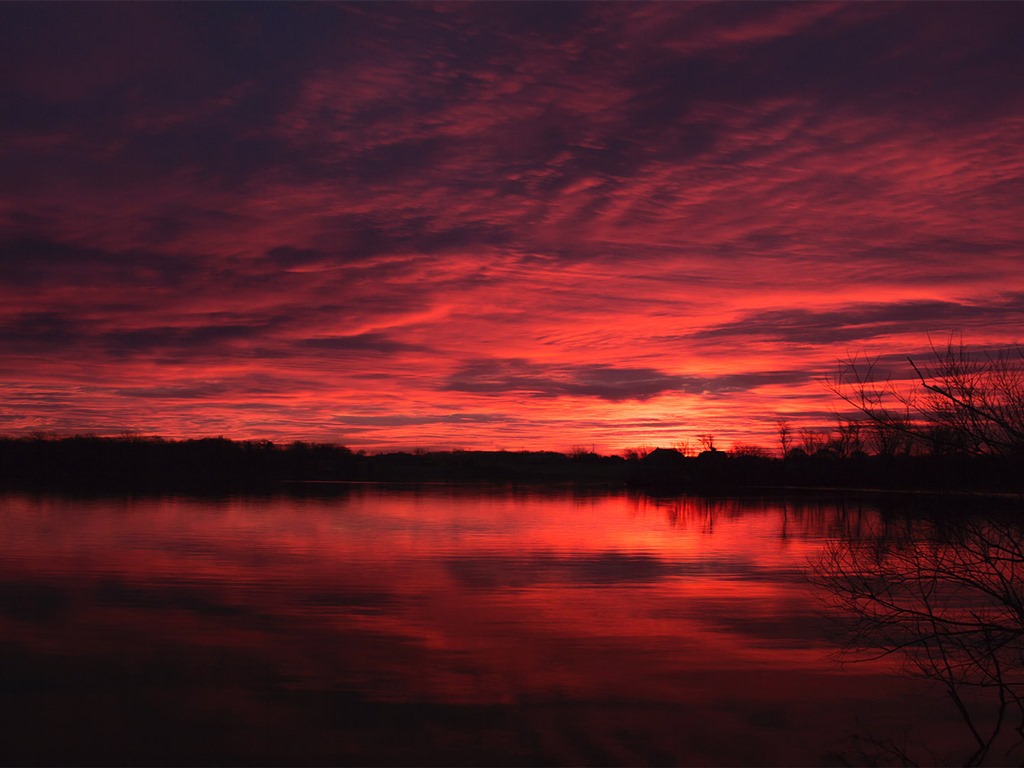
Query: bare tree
785	436
750	449
685	447
637	453
848	438
949	602
813	440
961	402
707	441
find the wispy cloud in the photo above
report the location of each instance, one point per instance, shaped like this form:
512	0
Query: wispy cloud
596	215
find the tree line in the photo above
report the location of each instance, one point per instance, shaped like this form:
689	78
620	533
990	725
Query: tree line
959	425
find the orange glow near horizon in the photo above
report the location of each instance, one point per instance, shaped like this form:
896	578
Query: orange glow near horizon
609	228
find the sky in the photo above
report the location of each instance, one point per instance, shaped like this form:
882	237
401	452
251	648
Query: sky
496	225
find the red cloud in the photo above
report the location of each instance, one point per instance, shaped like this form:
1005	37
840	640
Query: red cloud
313	241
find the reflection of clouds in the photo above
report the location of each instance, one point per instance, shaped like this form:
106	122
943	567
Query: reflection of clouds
583	569
407	601
370	611
38	602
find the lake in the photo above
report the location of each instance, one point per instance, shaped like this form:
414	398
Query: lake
444	625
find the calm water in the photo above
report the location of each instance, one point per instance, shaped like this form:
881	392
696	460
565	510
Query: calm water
439	625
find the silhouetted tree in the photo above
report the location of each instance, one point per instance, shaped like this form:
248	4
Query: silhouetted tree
707	441
685	447
847	438
813	440
637	453
948	600
961	403
785	436
747	449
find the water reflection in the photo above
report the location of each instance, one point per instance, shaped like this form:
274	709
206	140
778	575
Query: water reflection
429	625
944	595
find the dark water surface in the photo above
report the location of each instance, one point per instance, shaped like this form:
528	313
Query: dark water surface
440	625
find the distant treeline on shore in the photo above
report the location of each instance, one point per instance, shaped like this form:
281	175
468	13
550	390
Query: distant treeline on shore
219	464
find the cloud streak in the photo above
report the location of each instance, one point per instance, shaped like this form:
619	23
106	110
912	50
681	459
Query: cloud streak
498	377
598	223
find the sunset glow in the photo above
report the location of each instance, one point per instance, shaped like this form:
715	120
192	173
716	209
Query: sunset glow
513	226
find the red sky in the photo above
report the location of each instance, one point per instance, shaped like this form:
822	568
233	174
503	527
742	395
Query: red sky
495	225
